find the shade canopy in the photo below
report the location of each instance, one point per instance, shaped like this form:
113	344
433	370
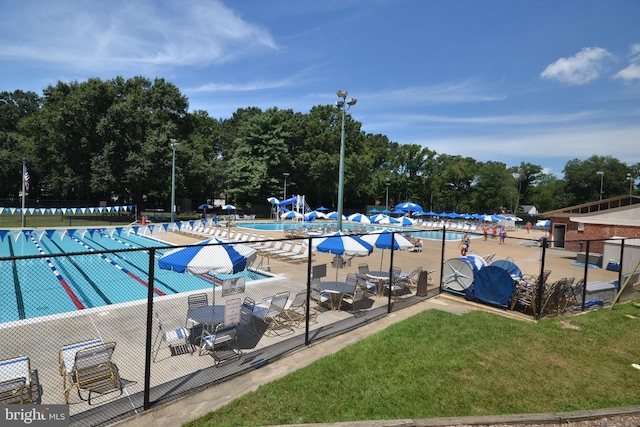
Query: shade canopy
205	206
209	257
228	207
384	239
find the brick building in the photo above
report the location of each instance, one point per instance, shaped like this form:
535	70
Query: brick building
603	219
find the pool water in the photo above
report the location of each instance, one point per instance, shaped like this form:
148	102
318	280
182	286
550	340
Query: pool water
35	287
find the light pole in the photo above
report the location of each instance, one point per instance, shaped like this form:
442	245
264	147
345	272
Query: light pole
601	182
286	174
388	183
343	105
630	179
174	144
516	175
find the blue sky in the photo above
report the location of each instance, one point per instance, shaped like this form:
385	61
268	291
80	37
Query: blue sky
542	81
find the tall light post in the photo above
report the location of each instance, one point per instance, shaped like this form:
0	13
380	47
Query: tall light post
517	175
343	105
630	179
286	174
601	182
174	144
388	183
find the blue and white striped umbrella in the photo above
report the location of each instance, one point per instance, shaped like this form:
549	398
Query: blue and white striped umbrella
339	243
358	217
273	200
205	257
378	217
381	239
389	221
334	215
409	207
292	215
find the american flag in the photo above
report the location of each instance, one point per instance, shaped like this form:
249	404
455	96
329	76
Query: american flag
26	178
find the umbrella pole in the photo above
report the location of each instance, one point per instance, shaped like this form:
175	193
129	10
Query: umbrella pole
381	257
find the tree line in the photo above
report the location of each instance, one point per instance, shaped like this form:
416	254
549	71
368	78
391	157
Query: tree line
110	140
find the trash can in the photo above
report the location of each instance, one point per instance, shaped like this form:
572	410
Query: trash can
423	281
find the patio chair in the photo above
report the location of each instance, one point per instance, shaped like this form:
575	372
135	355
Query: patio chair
363	268
353	298
222	343
171	334
411	279
272	315
296	308
92	370
196	301
16	380
317	294
397	287
369	286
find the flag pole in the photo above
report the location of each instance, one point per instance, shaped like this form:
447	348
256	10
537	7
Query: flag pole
24	168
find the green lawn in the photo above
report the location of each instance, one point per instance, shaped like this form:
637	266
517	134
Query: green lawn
438	364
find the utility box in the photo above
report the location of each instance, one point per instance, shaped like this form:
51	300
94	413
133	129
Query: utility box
423	282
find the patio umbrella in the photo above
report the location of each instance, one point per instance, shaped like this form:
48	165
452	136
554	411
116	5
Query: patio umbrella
322	209
406	222
341	244
205	206
207	258
292	215
384	239
228	208
374	210
334	215
389	221
358	217
273	200
314	214
374	219
409	207
397	211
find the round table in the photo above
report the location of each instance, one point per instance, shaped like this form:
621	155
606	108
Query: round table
336	289
380	277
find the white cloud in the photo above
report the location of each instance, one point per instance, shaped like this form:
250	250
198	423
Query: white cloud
632	72
112	36
579	69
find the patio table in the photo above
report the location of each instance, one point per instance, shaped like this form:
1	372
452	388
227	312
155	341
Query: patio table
335	290
380	277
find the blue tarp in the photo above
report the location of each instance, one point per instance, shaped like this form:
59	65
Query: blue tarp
492	285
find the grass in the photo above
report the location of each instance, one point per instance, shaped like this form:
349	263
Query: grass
438	364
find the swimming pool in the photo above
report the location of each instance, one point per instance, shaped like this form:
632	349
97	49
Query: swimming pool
280	226
34	287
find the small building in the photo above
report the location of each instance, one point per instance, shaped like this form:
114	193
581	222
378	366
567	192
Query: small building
616	217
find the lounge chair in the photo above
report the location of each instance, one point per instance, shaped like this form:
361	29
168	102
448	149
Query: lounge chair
16	380
87	366
171	334
296	308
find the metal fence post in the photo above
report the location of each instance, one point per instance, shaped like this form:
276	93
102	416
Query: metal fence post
147	363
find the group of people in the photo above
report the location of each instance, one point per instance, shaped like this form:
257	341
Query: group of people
497	232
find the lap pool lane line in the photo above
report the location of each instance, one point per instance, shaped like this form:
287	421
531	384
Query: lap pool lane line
122	242
16	284
119	267
63	282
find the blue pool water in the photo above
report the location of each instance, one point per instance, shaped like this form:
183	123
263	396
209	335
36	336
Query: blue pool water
279	226
46	286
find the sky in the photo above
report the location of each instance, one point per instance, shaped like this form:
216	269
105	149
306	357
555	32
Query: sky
543	81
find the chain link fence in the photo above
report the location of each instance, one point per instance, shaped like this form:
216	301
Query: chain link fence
111	333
